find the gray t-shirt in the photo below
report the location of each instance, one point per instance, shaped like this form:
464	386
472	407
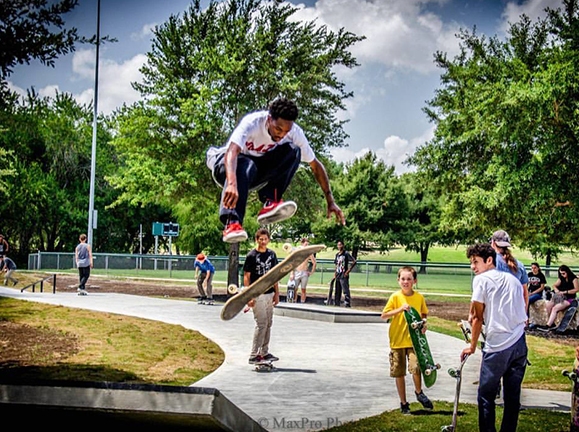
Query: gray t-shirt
83	257
504	313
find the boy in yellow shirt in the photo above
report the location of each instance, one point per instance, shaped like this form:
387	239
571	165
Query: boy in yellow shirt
401	350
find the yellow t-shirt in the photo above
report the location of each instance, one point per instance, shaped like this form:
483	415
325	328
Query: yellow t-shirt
399	334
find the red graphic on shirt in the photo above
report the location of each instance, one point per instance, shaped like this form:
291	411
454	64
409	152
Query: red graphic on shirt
264	148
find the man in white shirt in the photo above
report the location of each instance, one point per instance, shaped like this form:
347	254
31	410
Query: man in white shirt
497	301
264	152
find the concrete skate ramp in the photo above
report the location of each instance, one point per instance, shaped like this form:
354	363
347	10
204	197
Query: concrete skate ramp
114	404
326	313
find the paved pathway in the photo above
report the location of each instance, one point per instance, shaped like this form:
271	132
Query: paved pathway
328	372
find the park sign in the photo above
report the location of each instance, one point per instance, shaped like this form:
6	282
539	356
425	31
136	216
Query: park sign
168	229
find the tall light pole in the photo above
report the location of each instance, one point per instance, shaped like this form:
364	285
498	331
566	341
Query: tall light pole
91	211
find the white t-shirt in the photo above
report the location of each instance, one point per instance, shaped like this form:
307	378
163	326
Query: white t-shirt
252	136
504	314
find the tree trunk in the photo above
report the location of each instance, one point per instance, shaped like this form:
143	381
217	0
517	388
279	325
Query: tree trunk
424	247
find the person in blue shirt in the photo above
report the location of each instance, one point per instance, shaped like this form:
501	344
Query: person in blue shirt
505	261
204	271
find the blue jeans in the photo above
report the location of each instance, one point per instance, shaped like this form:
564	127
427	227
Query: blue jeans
510	365
271	173
534	297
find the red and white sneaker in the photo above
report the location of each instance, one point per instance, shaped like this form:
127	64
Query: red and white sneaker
276	211
234	233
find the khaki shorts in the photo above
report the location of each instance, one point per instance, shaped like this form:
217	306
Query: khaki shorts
398	362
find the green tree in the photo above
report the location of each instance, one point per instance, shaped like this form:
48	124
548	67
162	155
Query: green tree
207	68
27	32
422	223
505	150
374	202
44	205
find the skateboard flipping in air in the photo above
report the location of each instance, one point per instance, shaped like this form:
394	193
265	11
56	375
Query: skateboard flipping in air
421	348
574	377
236	303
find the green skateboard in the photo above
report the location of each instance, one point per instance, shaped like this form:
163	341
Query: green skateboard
421	348
236	303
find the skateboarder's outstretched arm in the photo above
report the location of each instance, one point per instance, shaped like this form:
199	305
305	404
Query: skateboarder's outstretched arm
231	193
321	177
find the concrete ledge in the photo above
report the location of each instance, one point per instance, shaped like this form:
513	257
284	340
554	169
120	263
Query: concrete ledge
107	404
327	313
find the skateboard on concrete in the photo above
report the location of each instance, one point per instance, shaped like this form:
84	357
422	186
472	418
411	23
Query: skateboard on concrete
574	377
421	348
457	374
291	291
264	366
567	318
236	303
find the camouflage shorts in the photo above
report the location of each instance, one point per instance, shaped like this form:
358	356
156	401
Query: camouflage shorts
398	358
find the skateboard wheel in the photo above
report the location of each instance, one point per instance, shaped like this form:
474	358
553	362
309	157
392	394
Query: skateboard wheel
287	247
232	289
427	372
453	372
437	365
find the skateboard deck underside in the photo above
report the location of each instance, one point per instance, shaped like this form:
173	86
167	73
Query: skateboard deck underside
421	348
567	318
236	303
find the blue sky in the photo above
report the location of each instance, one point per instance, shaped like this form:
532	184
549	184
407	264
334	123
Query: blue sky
397	75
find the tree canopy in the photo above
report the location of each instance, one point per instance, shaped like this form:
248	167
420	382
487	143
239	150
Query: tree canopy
207	68
505	151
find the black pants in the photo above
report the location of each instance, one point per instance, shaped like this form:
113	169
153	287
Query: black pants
83	274
342	284
273	171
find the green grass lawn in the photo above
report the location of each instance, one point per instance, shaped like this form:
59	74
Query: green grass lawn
532	420
80	345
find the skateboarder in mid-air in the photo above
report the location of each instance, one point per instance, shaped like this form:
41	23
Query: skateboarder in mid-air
257	263
264	152
401	348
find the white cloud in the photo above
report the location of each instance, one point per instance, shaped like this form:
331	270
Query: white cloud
146	32
49	91
399	34
344	154
114	79
16	89
532	8
394	151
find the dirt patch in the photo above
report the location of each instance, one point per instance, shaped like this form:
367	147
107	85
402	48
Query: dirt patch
134	287
23	345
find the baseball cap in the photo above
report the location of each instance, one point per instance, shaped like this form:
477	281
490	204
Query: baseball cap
501	238
200	257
